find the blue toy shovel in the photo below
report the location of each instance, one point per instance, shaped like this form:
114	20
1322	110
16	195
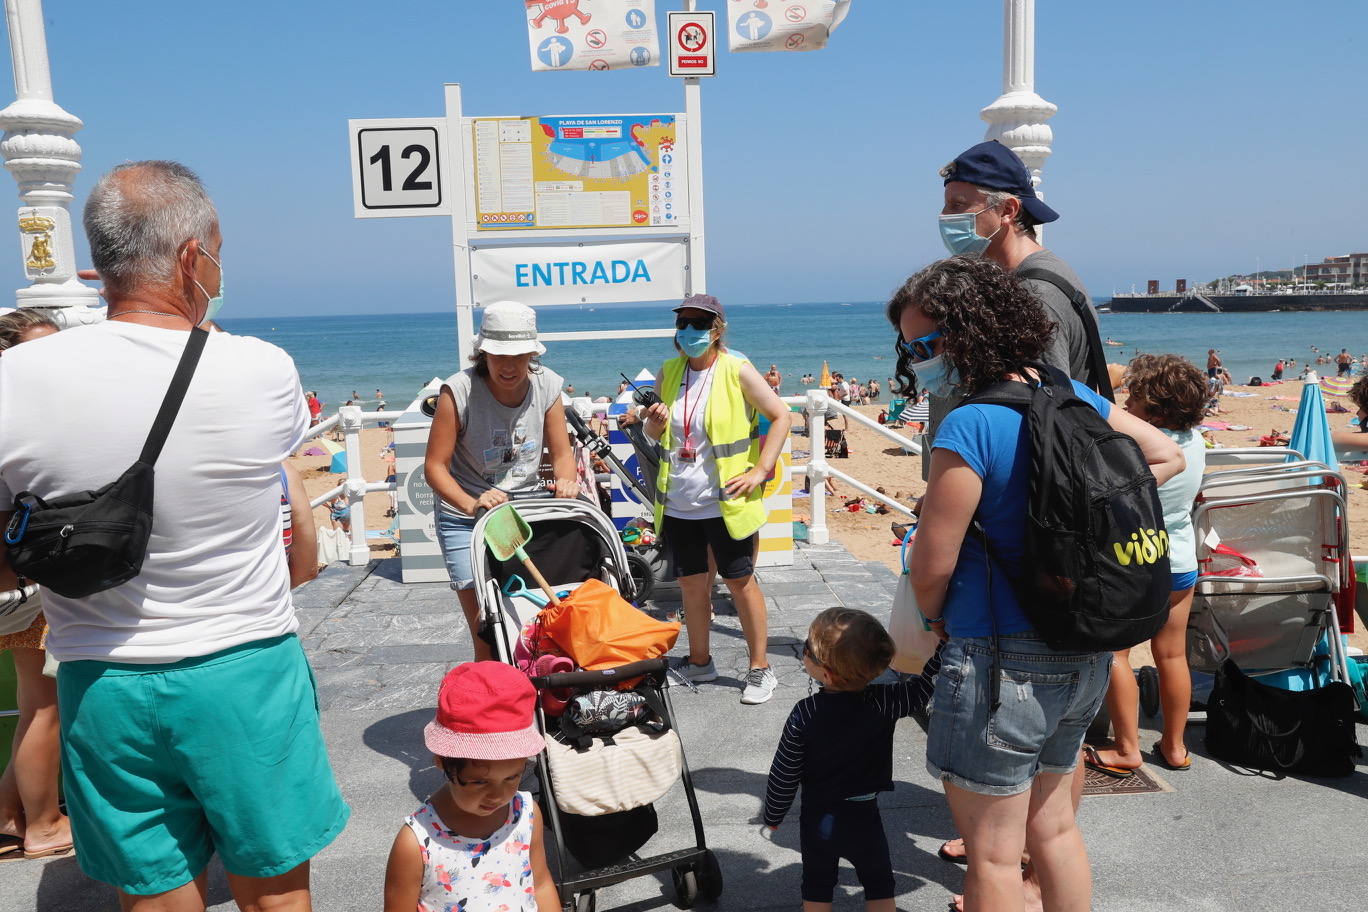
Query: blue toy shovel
517	586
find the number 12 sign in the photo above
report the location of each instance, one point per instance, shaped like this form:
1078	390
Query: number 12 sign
397	167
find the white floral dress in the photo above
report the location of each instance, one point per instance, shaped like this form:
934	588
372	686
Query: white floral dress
462	874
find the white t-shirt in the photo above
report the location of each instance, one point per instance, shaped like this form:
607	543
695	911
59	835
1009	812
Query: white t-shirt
1176	496
694	486
75	408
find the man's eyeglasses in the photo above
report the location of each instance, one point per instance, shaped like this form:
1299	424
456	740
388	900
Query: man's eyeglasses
694	322
920	347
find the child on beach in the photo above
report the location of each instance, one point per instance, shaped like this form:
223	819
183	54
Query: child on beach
476	845
838	746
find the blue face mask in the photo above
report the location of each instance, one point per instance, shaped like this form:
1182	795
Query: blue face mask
694	342
215	303
935	377
960	234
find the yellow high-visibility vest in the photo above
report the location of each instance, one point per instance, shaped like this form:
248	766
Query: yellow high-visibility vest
732	427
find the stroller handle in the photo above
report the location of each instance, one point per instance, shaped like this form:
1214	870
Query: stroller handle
601	677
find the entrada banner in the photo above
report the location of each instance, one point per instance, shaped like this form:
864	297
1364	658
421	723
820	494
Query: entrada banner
760	25
592	34
583	272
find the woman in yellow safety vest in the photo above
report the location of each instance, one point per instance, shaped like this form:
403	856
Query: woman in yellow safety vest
711	481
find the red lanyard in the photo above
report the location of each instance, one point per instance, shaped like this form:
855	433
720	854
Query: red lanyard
690	413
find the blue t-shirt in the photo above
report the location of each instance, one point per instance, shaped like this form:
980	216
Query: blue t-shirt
995	442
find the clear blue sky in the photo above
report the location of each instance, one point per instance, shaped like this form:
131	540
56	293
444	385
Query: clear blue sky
1192	138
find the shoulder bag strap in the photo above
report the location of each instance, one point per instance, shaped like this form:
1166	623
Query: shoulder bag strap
1097	358
175	395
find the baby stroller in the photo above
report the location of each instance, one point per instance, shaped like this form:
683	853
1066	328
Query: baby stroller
1275	578
574	542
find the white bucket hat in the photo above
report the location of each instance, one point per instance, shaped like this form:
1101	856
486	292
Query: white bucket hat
509	328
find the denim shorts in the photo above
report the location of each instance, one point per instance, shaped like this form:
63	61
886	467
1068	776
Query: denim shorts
1047	701
164	765
454	534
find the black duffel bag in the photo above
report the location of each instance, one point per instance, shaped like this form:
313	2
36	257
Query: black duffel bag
91	541
1306	732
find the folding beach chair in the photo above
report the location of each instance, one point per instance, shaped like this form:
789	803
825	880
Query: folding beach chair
1275	576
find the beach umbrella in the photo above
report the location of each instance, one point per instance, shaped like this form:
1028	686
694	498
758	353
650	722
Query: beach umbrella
825	382
1311	432
1336	386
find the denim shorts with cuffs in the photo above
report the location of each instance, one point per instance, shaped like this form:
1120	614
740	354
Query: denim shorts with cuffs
1047	701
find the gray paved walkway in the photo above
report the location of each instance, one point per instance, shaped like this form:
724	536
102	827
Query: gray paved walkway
1220	841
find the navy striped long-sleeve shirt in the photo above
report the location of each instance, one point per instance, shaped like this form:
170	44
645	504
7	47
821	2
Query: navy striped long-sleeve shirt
839	744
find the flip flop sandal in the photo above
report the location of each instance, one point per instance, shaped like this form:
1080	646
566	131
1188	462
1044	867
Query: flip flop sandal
60	851
1163	761
1093	762
953	859
11	847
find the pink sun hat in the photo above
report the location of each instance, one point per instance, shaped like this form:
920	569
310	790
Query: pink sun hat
485	711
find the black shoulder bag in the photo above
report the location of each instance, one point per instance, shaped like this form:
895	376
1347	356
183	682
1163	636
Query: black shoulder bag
94	540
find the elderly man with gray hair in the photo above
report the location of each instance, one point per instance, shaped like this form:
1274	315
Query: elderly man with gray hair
189	717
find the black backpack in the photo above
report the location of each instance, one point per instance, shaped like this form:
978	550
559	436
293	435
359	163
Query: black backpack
1095	568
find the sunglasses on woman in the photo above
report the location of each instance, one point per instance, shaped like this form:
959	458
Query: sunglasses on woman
920	347
694	322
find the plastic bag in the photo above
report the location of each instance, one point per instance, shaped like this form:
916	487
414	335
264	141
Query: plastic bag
597	628
914	639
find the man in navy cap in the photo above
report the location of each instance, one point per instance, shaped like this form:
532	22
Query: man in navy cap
991	209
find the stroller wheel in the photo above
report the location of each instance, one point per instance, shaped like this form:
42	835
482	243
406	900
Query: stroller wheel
710	877
642	575
686	887
1148	679
586	902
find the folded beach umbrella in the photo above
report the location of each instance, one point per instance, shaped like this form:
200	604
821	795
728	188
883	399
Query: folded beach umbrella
825	382
1311	432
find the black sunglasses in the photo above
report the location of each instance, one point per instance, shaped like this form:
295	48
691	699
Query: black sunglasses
694	322
807	651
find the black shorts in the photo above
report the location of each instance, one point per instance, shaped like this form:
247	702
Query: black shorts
690	539
1345	368
854	831
1211	371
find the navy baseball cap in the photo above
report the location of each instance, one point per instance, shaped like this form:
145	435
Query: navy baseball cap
993	165
704	302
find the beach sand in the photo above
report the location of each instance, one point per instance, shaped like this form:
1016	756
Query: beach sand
878	462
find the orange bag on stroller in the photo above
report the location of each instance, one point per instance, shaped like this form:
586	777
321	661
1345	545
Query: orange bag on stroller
600	629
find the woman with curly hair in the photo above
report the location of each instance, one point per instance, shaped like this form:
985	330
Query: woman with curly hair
965	325
1169	392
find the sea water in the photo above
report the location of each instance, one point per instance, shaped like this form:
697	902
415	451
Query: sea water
399	353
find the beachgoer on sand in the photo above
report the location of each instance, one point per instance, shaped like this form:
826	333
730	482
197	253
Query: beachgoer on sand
711	482
963	325
32	824
478	843
487	436
1213	362
198	732
837	746
1169	392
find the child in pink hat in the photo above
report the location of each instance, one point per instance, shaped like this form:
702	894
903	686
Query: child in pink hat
477	843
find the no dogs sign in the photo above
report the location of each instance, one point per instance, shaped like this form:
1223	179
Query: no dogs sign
692	48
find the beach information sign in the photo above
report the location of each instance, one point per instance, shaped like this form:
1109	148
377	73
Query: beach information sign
592	34
759	25
568	173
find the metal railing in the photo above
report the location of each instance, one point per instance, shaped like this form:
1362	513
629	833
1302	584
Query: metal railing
818	404
351	419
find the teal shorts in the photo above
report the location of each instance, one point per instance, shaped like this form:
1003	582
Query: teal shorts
165	765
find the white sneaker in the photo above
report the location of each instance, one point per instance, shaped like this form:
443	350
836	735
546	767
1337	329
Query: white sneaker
760	684
696	674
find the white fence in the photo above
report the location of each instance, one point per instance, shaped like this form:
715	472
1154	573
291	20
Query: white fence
351	419
818	404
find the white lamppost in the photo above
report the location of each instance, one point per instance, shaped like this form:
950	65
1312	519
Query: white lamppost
39	151
1017	118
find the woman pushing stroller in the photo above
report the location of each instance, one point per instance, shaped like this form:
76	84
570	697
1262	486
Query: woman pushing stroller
486	440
